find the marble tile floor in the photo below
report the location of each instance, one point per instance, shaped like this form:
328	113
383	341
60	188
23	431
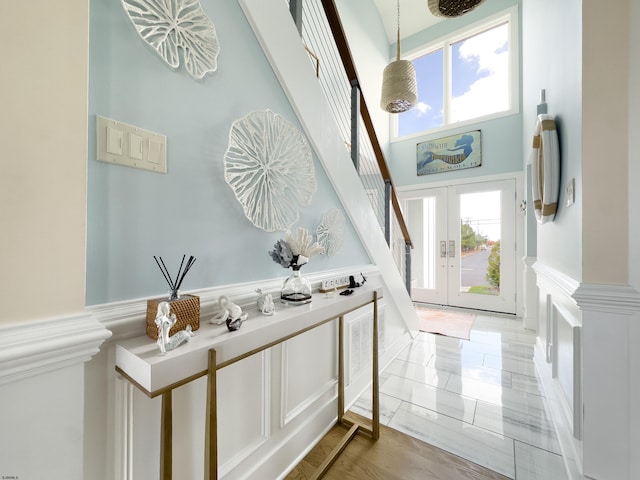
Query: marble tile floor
479	399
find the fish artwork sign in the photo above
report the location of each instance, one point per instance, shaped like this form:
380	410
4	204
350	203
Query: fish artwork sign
449	153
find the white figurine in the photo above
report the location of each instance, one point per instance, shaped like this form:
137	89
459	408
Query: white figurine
265	303
165	321
230	313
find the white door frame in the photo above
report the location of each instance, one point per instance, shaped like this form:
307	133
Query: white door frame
415	191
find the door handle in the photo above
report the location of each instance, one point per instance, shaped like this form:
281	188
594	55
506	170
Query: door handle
443	249
452	248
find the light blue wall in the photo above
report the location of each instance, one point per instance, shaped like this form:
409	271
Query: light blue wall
553	61
501	153
502	143
134	214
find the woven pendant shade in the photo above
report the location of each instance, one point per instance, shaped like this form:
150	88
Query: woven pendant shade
399	85
452	8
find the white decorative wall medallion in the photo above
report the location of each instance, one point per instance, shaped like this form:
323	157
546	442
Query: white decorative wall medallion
269	167
330	232
168	25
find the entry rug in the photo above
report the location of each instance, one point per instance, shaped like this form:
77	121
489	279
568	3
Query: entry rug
451	324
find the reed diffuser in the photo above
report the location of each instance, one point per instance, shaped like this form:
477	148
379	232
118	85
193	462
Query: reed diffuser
185	307
174	285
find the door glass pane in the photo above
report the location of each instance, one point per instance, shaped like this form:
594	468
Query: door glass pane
480	231
429	236
421	216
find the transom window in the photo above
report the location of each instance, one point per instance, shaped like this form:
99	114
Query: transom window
467	76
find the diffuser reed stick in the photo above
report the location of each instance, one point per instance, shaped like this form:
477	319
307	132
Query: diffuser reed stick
174	285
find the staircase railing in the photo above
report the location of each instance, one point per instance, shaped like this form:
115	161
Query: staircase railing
325	40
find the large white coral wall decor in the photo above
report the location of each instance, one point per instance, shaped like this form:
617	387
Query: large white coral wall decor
269	167
170	25
330	232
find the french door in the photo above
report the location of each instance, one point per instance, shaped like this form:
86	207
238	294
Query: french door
464	245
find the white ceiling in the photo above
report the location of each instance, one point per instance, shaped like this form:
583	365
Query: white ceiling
414	17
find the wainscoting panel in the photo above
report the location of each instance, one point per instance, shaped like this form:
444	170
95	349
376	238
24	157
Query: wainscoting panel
558	360
567	367
358	345
309	369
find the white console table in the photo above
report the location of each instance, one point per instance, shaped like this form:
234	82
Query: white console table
214	347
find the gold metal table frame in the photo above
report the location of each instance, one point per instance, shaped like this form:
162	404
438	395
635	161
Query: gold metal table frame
211	426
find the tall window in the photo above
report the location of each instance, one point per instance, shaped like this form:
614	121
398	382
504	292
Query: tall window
465	76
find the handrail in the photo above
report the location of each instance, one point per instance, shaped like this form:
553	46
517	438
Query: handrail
335	24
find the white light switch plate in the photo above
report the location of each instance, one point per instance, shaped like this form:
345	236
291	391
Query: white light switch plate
570	193
131	146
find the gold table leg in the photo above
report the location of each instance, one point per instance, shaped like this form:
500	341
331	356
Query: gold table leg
375	404
166	437
341	369
211	426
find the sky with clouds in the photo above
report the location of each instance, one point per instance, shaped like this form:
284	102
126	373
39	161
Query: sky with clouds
479	85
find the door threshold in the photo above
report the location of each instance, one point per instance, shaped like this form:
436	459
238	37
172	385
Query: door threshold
478	311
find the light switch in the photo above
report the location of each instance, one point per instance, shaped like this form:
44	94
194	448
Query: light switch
130	146
114	141
570	192
135	146
155	152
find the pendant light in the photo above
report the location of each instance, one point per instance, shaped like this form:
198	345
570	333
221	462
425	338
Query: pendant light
399	87
452	8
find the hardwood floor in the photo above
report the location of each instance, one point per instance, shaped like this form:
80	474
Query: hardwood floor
395	456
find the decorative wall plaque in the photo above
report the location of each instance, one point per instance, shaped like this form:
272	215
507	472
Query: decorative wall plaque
170	25
269	167
330	232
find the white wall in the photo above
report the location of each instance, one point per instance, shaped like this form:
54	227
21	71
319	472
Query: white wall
42	426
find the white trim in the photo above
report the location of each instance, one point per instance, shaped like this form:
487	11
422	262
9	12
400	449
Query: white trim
529	294
280	41
408	191
123	435
127	319
564	282
621	299
38	347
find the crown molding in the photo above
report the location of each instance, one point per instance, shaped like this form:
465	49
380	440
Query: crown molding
33	348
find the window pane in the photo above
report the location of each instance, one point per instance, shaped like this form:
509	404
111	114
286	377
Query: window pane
428	111
480	74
